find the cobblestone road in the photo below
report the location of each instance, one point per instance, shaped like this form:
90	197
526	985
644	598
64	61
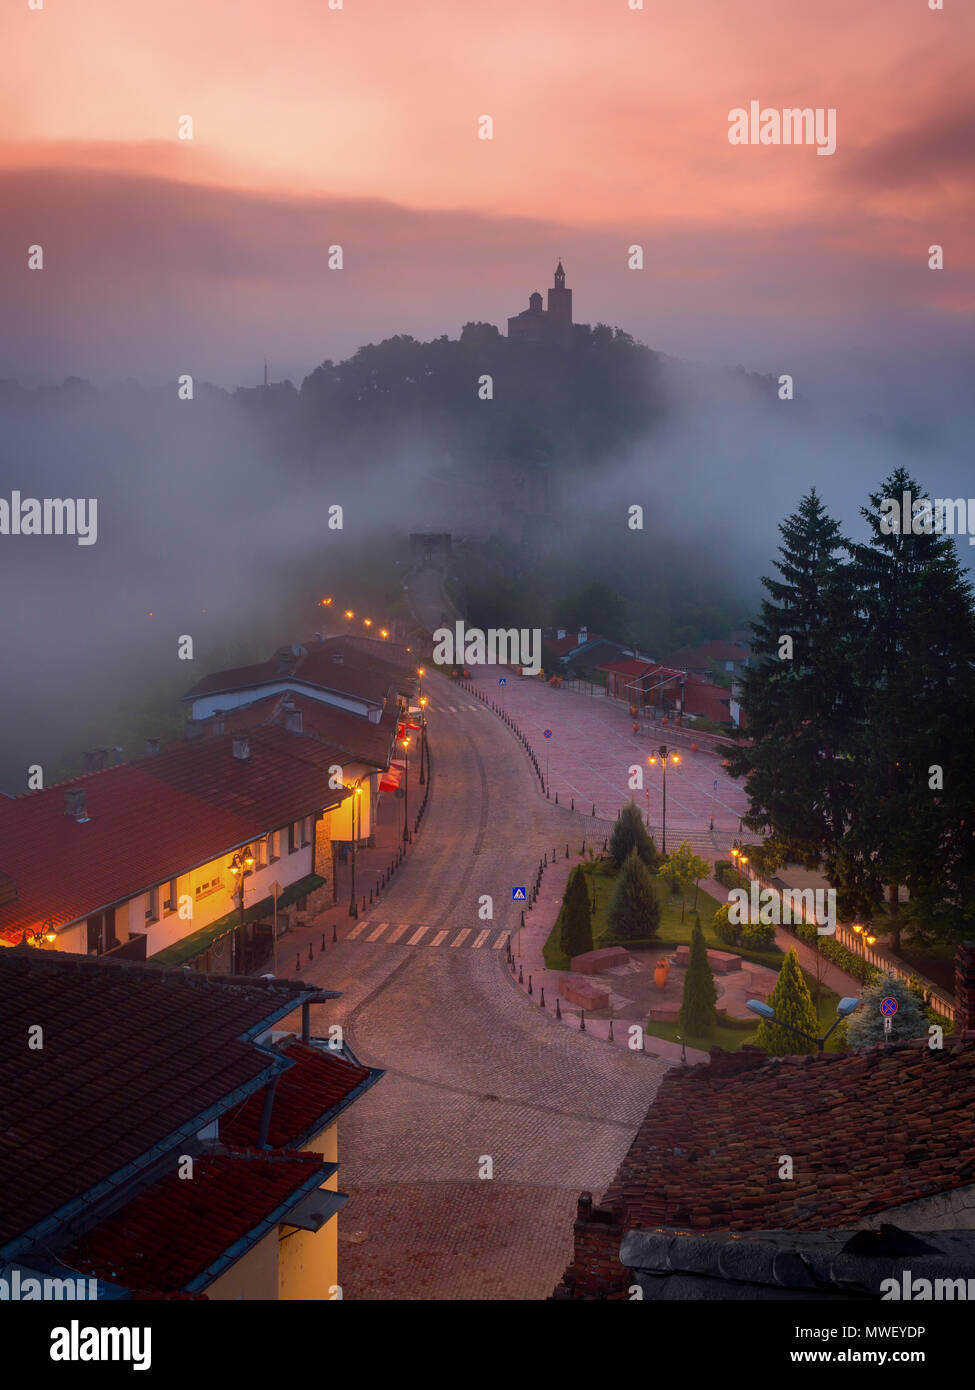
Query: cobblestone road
474	1068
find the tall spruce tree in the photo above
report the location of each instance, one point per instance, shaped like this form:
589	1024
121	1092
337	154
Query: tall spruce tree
700	994
634	913
797	694
913	821
629	833
575	936
793	1004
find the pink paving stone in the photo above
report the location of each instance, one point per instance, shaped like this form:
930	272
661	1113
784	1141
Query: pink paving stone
583	993
591	962
723	962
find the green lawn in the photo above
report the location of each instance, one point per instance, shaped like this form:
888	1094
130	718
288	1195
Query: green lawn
672	932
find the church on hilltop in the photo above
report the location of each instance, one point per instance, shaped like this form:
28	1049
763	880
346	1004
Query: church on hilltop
552	325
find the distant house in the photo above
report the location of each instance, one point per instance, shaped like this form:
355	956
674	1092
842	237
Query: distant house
186	1142
701	660
879	1137
652	686
582	650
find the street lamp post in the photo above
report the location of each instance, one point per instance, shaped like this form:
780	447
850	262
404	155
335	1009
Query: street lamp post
663	756
406	789
241	865
843	1008
356	793
423	736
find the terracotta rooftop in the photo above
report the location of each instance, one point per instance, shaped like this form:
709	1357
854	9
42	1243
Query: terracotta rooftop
151	820
173	1232
308	1096
337	665
867	1131
353	736
133	1057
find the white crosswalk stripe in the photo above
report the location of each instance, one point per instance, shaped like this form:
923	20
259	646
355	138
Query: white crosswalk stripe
440	936
480	939
374	936
397	932
357	930
461	937
497	945
416	936
389	933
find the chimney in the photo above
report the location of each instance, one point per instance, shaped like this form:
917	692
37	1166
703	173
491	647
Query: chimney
95	759
152	747
242	747
583	635
74	803
965	990
292	721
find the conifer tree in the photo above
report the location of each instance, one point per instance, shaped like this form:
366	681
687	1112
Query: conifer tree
700	995
630	833
866	1026
793	1004
575	936
797	693
634	913
912	821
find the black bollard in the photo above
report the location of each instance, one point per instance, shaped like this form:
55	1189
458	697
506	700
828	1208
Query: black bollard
521	975
322	946
522	916
582	1021
611	1038
594	808
567	851
297	964
542	1001
556	798
309	953
558	1008
530	984
335	935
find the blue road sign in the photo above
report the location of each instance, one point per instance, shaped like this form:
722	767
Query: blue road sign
888	1007
548	733
502	681
519	894
715	784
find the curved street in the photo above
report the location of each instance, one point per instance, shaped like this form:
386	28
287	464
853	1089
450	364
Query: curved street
475	1070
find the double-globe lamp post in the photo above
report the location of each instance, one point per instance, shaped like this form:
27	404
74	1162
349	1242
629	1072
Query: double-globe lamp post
843	1009
356	806
663	756
406	788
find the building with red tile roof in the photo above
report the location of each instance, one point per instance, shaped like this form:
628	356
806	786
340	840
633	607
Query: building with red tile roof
139	856
142	1071
882	1134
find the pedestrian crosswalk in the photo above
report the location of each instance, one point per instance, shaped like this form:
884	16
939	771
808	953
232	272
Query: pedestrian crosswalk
453	709
389	933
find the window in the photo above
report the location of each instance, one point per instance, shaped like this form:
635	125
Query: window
306	830
210	885
152	905
260	853
274	841
294	836
170	904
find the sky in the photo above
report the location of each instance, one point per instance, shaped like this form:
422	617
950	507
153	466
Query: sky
358	127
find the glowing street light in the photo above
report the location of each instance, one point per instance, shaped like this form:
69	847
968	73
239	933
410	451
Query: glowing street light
663	756
349	614
367	622
864	939
384	632
241	865
406	787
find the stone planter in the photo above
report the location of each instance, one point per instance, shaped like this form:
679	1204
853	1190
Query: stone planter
660	974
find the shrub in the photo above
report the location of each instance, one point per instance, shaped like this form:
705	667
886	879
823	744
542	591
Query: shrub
575	936
757	936
633	913
629	833
726	931
700	995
